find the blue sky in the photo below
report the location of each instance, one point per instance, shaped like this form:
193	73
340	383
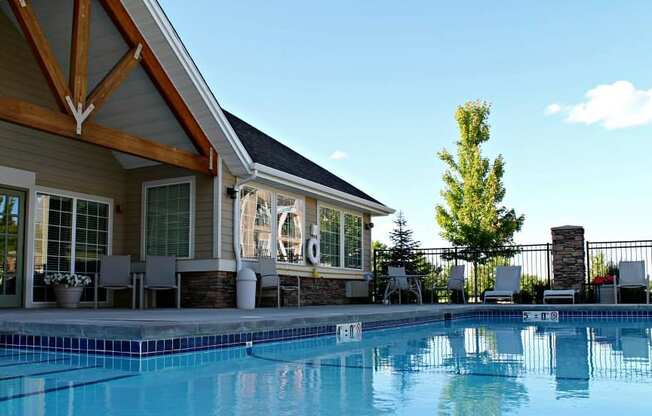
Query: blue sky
368	90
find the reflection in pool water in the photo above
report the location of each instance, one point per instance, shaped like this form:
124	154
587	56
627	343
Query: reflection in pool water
459	368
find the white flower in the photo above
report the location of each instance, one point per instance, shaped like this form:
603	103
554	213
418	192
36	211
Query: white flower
67	280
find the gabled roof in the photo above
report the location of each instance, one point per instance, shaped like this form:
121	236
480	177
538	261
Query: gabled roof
268	151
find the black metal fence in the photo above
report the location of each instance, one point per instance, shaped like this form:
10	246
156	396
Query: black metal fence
602	257
602	261
435	264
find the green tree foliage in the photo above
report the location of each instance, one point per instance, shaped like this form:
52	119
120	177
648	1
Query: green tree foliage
474	215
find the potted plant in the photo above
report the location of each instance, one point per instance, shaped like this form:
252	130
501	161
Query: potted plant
605	289
68	287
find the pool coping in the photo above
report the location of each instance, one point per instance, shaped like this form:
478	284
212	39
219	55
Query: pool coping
150	340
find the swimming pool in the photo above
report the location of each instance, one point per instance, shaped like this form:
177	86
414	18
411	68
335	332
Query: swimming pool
465	366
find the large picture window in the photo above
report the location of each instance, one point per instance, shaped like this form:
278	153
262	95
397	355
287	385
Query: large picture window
70	236
329	237
271	224
255	223
289	223
340	235
168	218
352	241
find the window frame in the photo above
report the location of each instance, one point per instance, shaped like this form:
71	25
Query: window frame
143	208
342	212
75	196
274	248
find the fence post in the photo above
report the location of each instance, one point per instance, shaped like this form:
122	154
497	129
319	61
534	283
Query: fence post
588	263
548	264
568	257
475	279
375	264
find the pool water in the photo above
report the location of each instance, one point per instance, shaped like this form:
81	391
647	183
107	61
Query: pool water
463	367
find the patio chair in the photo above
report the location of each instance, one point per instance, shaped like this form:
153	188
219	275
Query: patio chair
161	274
631	274
399	281
115	274
508	284
455	282
270	279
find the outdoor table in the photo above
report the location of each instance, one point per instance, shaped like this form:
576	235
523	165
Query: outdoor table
418	277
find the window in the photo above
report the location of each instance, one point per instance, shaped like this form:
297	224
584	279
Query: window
352	241
255	223
329	237
70	236
340	236
271	224
168	218
289	220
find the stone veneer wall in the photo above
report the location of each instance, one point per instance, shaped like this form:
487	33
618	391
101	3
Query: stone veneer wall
208	290
568	257
217	290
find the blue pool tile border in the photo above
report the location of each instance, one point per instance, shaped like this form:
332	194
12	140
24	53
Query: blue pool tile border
167	346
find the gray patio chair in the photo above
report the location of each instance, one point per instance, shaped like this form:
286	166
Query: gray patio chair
508	284
270	279
115	274
455	282
631	274
399	281
161	274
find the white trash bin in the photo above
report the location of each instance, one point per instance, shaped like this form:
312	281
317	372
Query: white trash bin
245	288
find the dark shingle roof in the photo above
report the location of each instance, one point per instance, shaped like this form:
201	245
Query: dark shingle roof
267	151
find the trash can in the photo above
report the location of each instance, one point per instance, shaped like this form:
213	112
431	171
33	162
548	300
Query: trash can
245	288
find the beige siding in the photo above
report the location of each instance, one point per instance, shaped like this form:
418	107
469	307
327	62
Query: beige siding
203	207
227	215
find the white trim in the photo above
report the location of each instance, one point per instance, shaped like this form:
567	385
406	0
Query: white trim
342	211
143	209
31	235
17	177
320	191
198	81
217	210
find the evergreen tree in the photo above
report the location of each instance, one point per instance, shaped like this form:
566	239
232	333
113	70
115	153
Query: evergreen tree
473	216
404	247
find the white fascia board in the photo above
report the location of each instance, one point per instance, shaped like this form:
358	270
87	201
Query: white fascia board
319	190
168	32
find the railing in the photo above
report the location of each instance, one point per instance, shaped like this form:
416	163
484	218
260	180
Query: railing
435	263
603	258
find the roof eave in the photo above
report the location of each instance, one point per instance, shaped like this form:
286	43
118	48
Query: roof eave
239	162
318	190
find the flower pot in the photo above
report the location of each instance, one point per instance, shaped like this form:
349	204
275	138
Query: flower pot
606	294
68	297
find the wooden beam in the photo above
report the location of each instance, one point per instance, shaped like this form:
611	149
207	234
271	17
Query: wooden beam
157	74
32	30
79	51
43	119
114	78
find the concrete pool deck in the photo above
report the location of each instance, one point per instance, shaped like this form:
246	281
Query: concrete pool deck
171	323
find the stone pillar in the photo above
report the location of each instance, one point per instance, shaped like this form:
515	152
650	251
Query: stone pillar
568	257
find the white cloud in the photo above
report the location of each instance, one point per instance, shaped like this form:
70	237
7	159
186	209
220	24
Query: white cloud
553	108
614	106
339	155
